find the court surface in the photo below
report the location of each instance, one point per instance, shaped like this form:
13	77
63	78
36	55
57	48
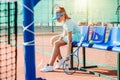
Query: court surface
43	52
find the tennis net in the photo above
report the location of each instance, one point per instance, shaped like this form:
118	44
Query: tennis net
8	40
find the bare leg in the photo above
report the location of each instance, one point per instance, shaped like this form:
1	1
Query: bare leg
54	39
56	51
52	42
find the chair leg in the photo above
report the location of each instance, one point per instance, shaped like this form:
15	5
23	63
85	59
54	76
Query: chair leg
118	63
84	60
71	58
84	57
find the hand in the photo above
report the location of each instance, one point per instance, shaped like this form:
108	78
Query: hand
67	58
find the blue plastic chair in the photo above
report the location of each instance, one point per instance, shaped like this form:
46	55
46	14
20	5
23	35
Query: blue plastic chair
98	36
84	30
113	39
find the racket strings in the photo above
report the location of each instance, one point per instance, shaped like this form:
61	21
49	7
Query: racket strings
69	68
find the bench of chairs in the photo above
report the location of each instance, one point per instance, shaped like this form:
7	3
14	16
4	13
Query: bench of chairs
98	36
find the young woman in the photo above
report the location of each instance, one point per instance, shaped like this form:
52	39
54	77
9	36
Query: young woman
70	34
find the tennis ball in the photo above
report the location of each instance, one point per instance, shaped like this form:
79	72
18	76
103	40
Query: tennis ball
91	42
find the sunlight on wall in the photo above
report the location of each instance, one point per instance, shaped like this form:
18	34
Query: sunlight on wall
80	6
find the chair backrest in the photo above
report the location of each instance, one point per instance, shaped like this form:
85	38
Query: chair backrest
114	35
98	34
84	30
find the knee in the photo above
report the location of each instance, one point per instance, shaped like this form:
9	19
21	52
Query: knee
57	44
53	40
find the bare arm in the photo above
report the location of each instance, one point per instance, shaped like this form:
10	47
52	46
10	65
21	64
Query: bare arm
63	33
69	43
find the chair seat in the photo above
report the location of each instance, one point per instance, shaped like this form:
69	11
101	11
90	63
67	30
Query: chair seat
75	44
113	40
104	46
97	36
86	44
84	30
116	48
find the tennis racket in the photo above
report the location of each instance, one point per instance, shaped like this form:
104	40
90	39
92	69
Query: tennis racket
69	68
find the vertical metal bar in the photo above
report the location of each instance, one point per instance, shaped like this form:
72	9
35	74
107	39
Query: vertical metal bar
118	12
84	57
8	22
52	15
71	58
15	24
87	11
118	63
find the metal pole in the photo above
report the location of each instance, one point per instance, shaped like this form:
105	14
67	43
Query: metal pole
52	15
118	71
29	50
9	22
84	57
87	11
118	12
15	24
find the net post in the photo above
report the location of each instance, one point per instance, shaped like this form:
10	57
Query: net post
29	51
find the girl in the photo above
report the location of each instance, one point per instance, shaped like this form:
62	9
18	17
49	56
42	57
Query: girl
70	34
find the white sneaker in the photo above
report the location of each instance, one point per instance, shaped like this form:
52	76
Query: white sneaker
48	68
59	63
